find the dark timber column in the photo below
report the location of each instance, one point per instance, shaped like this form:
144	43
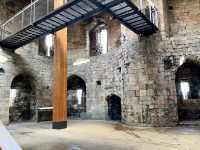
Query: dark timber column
60	77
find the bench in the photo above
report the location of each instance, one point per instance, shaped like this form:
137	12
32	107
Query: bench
44	114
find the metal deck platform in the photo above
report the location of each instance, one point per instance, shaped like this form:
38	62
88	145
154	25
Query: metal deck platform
129	15
39	18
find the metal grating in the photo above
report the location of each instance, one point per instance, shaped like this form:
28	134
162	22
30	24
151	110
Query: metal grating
130	16
39	23
66	15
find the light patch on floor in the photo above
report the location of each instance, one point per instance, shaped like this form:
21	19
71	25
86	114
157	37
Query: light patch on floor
103	135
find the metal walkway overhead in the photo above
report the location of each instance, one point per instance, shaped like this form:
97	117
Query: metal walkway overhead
39	18
132	17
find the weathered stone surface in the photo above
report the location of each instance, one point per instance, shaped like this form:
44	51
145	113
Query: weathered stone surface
134	67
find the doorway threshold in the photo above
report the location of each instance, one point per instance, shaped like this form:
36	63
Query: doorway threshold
189	123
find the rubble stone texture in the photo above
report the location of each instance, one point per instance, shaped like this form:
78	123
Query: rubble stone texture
136	68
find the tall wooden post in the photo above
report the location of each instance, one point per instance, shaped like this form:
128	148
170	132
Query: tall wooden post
60	77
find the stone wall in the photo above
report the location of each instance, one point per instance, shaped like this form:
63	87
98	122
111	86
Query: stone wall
11	8
140	70
24	61
182	42
103	68
150	93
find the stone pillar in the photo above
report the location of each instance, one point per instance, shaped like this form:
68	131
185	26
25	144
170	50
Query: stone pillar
5	84
60	77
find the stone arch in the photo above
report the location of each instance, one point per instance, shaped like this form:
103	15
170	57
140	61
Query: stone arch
170	79
22	98
76	97
111	92
185	59
114	107
187	80
78	75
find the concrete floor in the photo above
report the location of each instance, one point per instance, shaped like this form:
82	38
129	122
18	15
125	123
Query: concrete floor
102	135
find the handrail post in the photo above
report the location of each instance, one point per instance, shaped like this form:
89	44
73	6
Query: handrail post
33	12
1	33
22	23
47	6
31	15
141	4
150	13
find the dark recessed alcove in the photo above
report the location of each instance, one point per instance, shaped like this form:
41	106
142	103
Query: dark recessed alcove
98	82
2	70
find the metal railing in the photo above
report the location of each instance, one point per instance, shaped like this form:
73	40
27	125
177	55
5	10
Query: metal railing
27	16
4	32
40	8
149	9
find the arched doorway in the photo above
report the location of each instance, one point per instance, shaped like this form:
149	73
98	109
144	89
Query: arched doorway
114	107
188	91
22	99
76	97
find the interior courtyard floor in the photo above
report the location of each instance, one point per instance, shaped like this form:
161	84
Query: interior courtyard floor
103	135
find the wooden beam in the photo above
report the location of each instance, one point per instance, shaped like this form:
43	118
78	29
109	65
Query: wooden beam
60	76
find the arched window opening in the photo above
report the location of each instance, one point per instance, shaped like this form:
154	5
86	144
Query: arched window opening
22	99
114	107
76	97
46	45
188	91
98	40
